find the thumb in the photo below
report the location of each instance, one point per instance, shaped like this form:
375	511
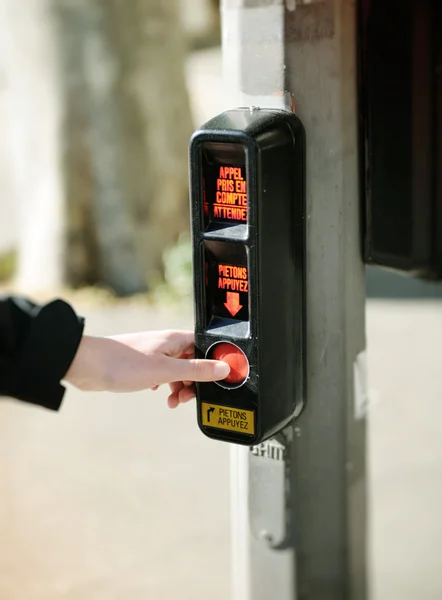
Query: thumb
198	369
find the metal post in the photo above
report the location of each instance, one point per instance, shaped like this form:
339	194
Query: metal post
299	501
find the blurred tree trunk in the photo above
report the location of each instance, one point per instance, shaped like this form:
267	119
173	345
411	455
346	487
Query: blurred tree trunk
158	121
82	256
127	127
101	234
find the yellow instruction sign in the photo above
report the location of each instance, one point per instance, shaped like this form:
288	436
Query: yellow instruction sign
226	417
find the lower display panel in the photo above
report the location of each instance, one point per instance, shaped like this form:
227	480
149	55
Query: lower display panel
227	281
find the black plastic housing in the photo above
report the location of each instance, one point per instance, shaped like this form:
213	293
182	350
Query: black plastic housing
401	134
271	244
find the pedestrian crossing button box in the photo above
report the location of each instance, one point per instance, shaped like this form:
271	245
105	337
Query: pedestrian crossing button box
247	173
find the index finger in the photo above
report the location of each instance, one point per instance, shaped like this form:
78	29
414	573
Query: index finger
180	369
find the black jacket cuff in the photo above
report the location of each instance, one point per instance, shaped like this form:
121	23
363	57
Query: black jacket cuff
54	335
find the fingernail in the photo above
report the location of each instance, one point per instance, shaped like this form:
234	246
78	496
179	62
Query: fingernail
221	370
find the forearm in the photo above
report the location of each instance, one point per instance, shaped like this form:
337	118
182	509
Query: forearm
90	371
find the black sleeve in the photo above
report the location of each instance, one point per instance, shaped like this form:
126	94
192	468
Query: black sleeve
37	346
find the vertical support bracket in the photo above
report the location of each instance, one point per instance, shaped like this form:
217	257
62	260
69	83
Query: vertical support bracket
269	492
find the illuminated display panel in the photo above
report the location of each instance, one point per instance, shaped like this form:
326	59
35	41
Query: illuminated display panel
227	288
224	184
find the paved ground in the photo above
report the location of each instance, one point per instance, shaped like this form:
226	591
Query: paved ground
405	456
118	498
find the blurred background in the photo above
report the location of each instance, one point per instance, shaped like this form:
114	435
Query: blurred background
116	497
98	101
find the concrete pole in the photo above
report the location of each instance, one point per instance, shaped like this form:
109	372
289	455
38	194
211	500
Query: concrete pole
299	514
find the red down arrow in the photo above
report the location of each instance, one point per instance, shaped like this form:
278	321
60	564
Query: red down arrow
232	303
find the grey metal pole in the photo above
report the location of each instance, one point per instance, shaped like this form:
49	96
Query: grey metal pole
299	514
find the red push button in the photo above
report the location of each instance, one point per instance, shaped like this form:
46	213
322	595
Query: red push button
235	358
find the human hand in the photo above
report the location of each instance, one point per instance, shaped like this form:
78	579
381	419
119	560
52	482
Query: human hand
139	361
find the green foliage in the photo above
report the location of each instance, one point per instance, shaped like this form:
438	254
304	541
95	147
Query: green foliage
178	272
8	262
